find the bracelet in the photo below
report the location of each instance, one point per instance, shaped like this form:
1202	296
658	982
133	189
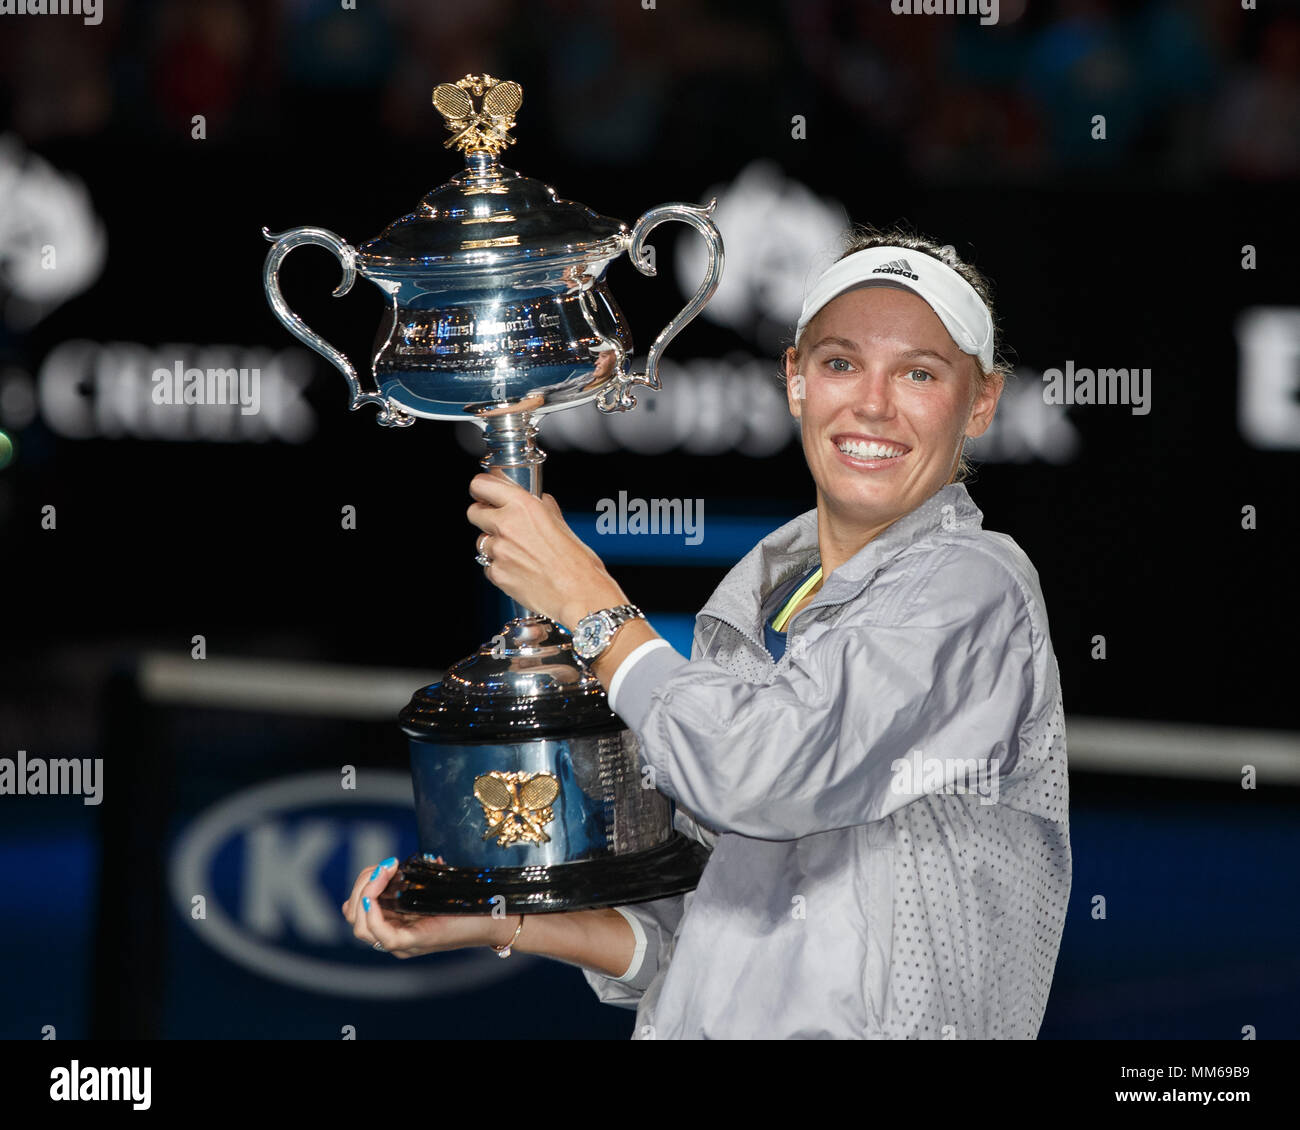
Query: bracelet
504	951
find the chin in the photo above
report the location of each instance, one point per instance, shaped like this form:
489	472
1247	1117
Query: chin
872	504
875	499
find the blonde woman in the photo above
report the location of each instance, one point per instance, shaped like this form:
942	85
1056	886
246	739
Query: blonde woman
868	735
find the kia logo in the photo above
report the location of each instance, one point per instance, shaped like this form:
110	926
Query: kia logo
288	830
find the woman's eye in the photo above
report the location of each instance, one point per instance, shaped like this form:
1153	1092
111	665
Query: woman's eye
835	361
925	371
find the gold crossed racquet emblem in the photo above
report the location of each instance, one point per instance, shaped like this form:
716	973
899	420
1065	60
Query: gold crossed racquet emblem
481	126
517	806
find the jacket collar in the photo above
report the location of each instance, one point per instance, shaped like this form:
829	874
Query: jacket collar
793	549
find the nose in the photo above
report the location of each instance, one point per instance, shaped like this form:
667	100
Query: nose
872	396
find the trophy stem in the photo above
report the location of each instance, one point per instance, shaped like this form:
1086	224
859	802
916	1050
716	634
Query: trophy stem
511	449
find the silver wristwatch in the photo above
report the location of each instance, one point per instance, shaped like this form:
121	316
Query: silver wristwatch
594	632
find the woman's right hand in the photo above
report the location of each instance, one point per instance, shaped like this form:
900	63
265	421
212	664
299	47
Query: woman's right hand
409	935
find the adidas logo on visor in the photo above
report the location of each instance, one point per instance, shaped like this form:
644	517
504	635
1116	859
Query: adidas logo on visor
897	267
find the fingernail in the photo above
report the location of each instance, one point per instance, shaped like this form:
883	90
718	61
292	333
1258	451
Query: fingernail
389	861
365	902
375	873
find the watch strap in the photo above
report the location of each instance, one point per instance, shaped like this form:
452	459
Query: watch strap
620	614
616	617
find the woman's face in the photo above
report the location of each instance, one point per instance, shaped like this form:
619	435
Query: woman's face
878	365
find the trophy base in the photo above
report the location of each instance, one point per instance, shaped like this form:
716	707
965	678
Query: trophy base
424	887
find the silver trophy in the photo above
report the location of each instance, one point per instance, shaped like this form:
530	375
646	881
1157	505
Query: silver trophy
526	784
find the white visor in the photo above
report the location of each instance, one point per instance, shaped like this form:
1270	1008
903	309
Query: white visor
950	296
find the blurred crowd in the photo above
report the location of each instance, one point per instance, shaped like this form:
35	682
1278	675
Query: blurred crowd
1188	88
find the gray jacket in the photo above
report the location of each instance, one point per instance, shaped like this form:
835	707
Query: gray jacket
886	807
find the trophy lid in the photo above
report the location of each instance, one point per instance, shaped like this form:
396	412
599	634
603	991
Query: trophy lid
489	214
528	683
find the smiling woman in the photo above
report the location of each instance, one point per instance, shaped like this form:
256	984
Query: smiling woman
868	735
878	343
988	377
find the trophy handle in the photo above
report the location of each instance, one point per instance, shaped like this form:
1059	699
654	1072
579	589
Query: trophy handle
286	242
616	397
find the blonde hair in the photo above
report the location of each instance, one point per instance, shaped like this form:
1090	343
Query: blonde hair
861	237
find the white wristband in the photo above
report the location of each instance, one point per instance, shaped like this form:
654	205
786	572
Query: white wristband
638	954
626	666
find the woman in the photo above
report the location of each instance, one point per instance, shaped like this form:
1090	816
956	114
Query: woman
869	734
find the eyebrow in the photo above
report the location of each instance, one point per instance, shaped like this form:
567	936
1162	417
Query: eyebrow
927	353
845	343
842	342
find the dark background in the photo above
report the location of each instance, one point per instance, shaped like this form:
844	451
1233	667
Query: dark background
1118	253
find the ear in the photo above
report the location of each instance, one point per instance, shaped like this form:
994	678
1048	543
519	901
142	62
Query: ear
985	405
794	382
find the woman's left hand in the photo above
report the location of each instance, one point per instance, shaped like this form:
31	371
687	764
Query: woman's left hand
536	559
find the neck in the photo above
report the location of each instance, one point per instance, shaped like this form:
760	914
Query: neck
840	538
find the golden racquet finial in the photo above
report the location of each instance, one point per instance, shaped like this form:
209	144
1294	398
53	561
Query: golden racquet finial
517	806
481	127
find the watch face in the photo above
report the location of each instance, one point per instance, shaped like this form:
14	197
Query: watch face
591	636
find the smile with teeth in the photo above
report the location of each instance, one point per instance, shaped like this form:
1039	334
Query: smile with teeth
873	449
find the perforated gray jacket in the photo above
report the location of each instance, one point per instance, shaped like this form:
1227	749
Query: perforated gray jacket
886	807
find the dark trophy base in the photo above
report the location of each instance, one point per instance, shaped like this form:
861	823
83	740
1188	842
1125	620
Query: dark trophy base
530	790
423	887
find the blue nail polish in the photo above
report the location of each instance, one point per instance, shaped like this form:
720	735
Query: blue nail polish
365	902
389	861
375	873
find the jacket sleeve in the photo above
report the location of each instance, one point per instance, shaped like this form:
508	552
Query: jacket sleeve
655	924
869	717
